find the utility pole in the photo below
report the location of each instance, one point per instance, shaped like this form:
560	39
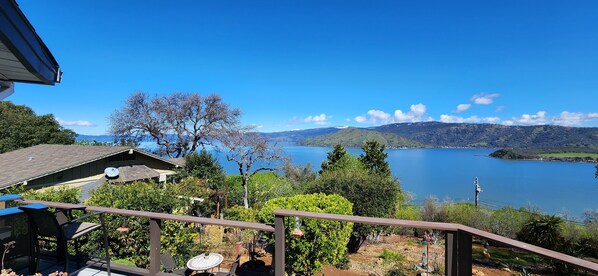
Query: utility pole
478	189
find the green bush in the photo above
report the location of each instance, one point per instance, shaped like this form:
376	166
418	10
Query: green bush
324	241
408	212
240	213
508	221
261	188
134	243
468	214
62	194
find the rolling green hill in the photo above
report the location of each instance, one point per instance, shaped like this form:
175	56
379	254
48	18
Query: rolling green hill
355	137
437	134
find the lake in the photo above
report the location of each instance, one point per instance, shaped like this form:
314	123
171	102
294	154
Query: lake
552	187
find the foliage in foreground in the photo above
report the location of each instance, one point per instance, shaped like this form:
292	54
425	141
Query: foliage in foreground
323	241
372	194
133	244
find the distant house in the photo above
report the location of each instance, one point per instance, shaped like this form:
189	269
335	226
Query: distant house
75	165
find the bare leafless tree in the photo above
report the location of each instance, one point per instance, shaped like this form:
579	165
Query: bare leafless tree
246	149
179	123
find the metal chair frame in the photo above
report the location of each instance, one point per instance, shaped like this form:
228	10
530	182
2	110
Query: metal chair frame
60	228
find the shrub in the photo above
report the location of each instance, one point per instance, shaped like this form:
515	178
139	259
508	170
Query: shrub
542	230
240	213
372	195
324	241
261	188
62	194
434	211
508	221
134	243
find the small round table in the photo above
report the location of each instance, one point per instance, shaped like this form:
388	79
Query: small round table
205	261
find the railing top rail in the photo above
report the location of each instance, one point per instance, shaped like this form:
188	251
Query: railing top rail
161	216
591	266
369	220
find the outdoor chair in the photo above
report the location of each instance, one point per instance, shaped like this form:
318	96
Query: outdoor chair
233	268
170	266
60	228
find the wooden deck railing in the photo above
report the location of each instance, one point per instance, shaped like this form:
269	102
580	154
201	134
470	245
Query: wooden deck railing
458	249
156	224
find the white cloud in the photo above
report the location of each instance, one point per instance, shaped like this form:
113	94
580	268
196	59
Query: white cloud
81	123
321	119
416	113
572	118
348	120
500	108
564	119
462	107
483	98
535	119
472	119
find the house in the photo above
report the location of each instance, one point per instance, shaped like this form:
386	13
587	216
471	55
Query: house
23	55
76	165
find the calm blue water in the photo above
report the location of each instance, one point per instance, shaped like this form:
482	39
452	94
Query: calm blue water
552	187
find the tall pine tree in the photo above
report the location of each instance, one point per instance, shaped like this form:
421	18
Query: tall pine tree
336	155
374	158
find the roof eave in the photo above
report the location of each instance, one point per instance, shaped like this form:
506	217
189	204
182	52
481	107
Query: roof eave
19	37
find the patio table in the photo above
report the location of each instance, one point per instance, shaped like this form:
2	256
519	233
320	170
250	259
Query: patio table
205	261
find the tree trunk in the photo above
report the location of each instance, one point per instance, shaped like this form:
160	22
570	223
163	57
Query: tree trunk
245	200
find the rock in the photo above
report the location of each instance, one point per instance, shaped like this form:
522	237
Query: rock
380	261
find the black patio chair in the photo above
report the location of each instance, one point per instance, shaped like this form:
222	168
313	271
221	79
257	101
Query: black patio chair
170	266
60	228
233	268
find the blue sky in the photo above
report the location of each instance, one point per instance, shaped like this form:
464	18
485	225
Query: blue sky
305	64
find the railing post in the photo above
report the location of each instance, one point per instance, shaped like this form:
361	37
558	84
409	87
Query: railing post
155	229
279	233
458	252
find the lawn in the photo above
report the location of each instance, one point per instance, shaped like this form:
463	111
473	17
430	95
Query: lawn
570	154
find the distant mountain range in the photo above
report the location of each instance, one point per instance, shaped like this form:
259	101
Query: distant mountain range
436	134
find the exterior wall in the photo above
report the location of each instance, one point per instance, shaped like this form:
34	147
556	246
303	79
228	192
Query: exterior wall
97	168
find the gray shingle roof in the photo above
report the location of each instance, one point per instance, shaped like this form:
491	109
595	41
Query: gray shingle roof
37	161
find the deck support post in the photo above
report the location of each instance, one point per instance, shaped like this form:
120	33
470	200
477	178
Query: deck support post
155	229
279	233
458	252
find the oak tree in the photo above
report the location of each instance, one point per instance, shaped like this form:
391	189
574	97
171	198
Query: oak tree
179	123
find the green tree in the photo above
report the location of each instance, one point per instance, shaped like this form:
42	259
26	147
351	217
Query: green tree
372	195
20	127
204	166
323	241
374	158
333	157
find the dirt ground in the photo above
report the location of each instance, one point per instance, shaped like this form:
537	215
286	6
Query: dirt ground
368	262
